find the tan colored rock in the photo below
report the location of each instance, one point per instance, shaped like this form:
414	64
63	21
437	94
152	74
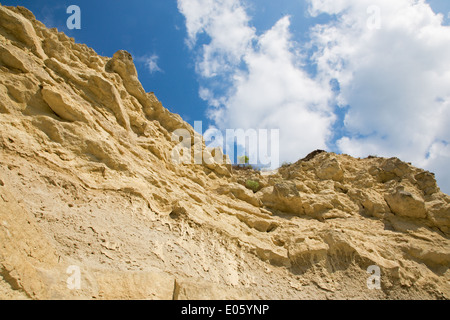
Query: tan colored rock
122	63
64	106
330	169
406	204
198	290
23	249
439	213
427	182
390	169
14	59
370	202
307	252
21	29
244	194
283	197
135	286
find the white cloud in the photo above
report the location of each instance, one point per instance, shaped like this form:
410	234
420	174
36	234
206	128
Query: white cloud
207	95
227	24
395	79
276	93
267	89
150	62
390	59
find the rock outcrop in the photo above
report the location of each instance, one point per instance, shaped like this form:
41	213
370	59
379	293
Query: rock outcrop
93	207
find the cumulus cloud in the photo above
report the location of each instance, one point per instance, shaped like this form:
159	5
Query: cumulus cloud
267	88
394	78
388	62
275	92
227	24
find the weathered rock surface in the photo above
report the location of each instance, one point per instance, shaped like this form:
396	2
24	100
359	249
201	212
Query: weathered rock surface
88	191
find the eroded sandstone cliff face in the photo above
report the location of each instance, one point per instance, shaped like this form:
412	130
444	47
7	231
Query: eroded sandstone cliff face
88	191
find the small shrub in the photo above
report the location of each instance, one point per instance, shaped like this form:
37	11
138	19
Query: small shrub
252	185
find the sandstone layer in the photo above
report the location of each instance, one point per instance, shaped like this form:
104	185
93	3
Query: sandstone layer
89	191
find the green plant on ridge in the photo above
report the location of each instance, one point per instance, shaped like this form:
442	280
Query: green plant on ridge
252	185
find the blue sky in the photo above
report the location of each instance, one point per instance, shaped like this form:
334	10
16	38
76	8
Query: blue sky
154	27
142	27
362	77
